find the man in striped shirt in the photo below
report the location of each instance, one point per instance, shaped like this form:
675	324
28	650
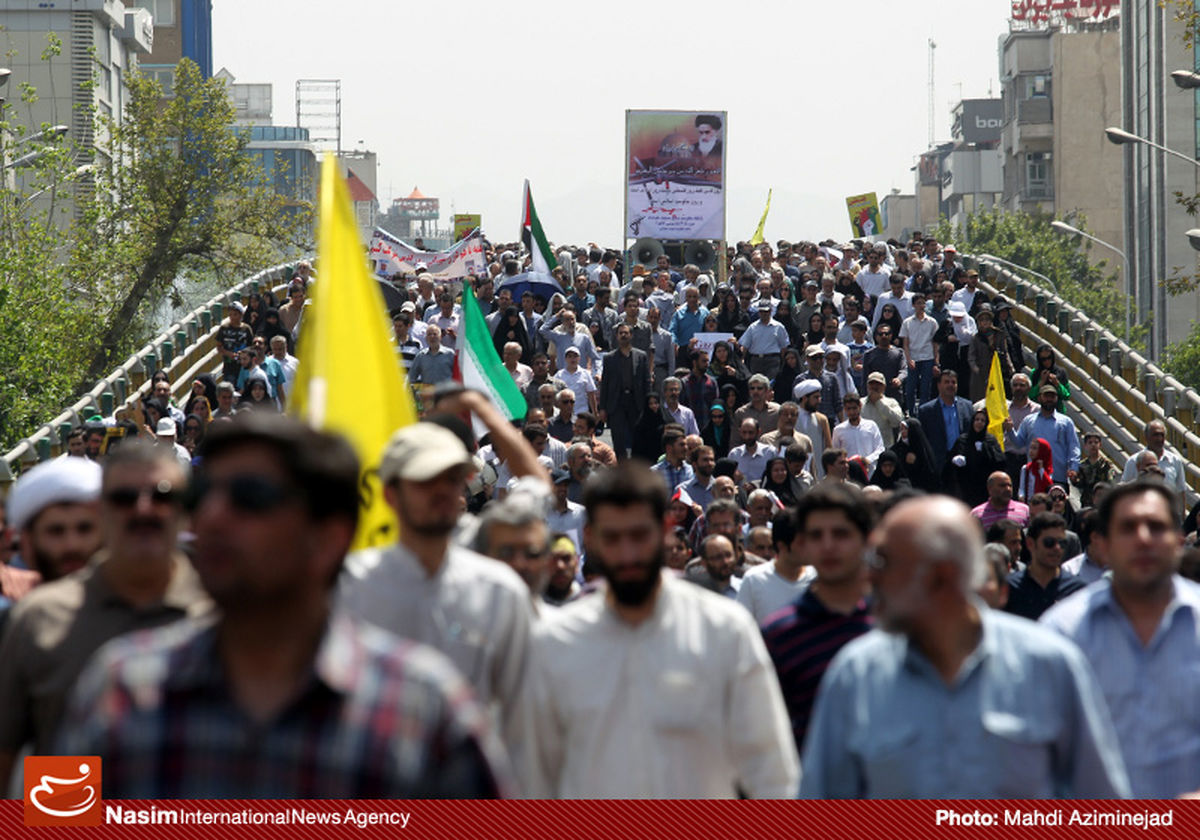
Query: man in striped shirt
832	523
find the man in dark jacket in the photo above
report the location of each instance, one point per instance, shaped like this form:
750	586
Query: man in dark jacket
945	418
623	389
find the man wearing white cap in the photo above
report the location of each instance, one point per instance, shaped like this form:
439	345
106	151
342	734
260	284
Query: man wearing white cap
579	380
473	609
137	580
166	432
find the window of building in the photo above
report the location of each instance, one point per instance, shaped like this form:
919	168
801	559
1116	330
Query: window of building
163	11
164	74
1037	86
1038	175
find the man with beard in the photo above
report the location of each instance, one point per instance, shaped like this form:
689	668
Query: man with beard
139	579
54	511
653	687
425	588
280	697
951	699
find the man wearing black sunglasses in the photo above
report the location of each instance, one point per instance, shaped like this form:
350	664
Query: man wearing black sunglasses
138	580
1041	584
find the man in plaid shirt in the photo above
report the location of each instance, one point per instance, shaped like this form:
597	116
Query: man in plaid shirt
278	698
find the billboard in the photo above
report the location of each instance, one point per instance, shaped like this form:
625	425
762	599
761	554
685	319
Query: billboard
675	174
978	120
864	214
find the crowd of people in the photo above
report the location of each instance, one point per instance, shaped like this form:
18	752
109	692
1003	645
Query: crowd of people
788	559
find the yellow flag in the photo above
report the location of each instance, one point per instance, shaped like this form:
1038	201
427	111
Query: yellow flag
997	405
757	239
349	380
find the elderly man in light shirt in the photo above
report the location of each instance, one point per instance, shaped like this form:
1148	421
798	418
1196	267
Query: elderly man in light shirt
881	409
857	435
653	687
950	699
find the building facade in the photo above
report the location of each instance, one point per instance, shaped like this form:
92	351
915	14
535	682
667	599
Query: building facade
182	29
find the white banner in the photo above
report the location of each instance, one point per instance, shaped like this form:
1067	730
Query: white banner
706	340
391	255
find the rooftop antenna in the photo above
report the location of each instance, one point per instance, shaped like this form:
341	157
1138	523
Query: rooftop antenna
932	47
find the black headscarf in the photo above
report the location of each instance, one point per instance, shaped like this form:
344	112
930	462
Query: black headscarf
738	379
648	430
789	491
787	375
919	467
719	435
269	330
897	480
506	332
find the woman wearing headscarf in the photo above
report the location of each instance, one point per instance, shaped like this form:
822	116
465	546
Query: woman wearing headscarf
511	327
916	456
815	333
987	341
975	456
887	474
888	314
731	318
786	378
271	326
785	316
1012	331
1046	371
727	367
718	431
648	430
1037	476
206	385
778	479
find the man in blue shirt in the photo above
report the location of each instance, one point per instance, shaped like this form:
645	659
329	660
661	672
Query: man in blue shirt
950	699
686	322
1057	429
1141	632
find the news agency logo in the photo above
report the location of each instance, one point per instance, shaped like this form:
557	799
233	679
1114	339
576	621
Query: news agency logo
63	790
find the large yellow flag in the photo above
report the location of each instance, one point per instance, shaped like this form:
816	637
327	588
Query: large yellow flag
757	239
349	379
997	405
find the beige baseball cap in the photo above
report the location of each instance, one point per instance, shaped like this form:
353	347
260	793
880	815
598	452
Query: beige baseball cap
420	452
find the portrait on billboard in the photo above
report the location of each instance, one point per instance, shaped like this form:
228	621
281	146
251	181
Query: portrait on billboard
675	177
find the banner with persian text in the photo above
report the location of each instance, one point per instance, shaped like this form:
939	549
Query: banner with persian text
675	174
391	254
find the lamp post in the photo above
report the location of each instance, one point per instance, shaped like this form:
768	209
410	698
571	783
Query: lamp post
1121	137
1064	228
1185	79
992	258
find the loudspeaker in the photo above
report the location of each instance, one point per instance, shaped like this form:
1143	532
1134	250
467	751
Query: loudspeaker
646	251
700	253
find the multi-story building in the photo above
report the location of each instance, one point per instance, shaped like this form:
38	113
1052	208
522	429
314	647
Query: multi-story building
101	43
1151	47
182	29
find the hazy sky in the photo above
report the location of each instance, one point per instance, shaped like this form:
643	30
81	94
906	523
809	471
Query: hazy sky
467	99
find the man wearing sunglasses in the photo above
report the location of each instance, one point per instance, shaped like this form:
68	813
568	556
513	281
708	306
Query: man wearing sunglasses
281	697
138	580
1041	584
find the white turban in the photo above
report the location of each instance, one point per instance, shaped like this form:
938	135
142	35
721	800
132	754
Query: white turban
61	481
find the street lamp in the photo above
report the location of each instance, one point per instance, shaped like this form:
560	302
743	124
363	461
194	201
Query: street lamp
1007	264
81	170
1193	236
1121	137
1185	79
1064	228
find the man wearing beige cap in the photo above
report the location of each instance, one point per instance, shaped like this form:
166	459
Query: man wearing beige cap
881	409
473	609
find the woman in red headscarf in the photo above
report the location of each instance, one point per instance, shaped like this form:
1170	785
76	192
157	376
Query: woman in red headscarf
1038	475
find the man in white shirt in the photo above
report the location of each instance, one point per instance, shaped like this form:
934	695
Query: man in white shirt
522	373
873	278
917	334
898	296
287	362
580	381
763	341
448	316
684	416
751	456
1173	467
769	587
881	409
857	435
653	687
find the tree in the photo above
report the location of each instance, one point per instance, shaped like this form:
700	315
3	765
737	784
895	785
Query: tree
168	194
1027	239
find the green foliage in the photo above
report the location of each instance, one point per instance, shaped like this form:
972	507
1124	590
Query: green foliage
1027	239
1182	359
85	257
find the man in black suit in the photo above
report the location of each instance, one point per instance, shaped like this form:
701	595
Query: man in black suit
945	418
623	389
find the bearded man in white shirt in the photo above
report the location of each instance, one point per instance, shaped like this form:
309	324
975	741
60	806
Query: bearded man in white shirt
653	687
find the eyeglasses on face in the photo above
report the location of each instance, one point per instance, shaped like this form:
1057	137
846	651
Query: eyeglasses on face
127	498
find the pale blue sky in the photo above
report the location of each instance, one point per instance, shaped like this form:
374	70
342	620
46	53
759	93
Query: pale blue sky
467	99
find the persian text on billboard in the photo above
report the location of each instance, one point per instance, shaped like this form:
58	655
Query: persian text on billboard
675	174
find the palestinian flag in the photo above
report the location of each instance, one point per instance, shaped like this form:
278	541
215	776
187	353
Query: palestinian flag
534	238
477	366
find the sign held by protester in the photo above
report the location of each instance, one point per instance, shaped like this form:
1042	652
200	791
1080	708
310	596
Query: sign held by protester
864	214
464	223
675	174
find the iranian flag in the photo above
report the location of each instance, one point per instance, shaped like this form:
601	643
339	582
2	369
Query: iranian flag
534	238
477	366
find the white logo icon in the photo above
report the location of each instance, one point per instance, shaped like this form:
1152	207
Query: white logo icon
47	786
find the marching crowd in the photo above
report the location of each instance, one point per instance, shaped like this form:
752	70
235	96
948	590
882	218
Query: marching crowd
751	538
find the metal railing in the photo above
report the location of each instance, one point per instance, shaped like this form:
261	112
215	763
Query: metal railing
1113	387
184	350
